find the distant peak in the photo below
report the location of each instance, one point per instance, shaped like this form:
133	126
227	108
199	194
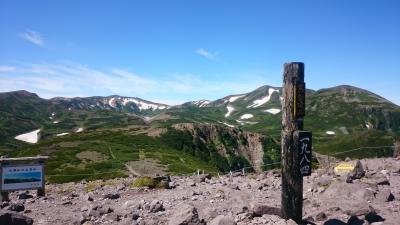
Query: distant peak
349	87
343	88
21	93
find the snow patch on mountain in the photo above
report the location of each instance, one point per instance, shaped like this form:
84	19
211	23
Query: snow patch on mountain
30	137
112	102
246	116
262	101
330	132
143	105
368	125
62	134
226	124
234	98
230	110
55	122
201	103
245	122
240	122
80	129
272	111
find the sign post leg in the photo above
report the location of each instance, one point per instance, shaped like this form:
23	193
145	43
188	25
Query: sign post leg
4	197
41	192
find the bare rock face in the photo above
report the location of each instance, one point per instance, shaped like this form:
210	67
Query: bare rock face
253	151
249	145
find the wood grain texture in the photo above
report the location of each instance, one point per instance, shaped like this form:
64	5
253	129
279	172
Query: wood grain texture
292	181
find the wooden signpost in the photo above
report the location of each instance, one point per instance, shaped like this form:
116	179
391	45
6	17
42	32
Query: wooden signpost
296	143
25	173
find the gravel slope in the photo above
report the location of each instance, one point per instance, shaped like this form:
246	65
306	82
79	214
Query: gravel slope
242	200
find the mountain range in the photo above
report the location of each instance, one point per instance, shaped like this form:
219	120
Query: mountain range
340	118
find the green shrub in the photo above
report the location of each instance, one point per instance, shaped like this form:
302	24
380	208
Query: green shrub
144	182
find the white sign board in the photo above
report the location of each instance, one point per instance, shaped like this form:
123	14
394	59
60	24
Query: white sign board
21	177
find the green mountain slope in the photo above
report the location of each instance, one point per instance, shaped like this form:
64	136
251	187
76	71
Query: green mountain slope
335	115
341	118
182	149
20	111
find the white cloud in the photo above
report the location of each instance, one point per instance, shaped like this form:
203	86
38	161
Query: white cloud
73	80
205	53
4	68
33	37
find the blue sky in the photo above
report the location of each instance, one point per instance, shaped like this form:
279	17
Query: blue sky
176	51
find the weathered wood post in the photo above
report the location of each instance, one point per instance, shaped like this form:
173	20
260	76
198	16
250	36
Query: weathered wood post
292	121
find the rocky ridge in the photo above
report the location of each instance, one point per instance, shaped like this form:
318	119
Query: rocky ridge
371	198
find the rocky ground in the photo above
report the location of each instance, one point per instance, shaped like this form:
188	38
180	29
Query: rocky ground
368	195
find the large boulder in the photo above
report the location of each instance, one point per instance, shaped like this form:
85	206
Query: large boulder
185	215
262	209
377	179
372	217
17	207
385	195
364	194
156	206
97	210
13	218
111	196
343	190
352	169
358	172
24	195
202	178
